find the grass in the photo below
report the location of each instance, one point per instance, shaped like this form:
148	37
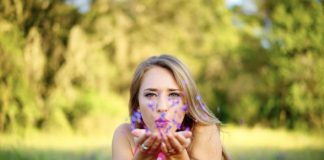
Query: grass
241	142
260	143
55	147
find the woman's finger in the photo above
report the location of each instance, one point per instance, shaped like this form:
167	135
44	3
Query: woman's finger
147	144
183	141
142	138
164	148
155	147
138	132
186	134
175	144
167	143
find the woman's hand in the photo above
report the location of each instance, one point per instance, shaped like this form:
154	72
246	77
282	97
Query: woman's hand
148	145
174	145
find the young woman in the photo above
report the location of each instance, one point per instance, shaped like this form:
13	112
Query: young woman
169	119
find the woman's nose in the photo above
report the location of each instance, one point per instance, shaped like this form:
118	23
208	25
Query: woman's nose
162	105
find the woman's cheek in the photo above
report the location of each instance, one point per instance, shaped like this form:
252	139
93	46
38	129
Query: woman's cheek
149	120
177	118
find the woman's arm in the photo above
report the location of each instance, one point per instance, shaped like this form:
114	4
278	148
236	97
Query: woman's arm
121	148
206	142
123	139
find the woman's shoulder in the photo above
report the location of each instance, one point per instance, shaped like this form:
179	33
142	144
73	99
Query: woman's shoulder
206	139
205	128
122	144
123	130
122	135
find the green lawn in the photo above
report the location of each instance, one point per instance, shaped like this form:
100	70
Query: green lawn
260	143
55	147
242	143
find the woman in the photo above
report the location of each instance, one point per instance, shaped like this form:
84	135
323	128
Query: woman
169	119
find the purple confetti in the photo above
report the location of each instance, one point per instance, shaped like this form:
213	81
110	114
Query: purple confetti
203	107
175	102
178	126
163	115
205	117
152	105
185	82
174	122
184	108
137	115
133	119
168	129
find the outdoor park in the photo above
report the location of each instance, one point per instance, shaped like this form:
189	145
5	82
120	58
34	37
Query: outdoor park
66	68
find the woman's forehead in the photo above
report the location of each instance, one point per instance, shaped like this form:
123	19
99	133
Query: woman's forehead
159	78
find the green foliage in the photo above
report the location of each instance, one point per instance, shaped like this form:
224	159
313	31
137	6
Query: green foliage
284	78
59	68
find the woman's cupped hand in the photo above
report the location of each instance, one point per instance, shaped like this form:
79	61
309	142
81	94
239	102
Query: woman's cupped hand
150	145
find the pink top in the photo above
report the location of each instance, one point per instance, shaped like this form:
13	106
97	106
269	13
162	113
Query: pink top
161	156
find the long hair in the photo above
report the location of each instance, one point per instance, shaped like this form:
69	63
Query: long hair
198	112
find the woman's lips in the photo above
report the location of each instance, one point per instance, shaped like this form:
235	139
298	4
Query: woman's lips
161	123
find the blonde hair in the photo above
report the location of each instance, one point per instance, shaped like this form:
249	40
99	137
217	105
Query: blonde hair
198	112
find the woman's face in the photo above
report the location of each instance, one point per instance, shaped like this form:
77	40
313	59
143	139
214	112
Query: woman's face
161	101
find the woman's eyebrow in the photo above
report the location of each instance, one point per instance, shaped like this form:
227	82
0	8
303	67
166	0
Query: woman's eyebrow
151	89
154	89
173	89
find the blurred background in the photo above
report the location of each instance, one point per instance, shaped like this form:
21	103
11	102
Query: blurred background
66	66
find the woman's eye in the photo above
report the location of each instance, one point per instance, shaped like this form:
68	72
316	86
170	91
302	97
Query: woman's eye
174	95
149	95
